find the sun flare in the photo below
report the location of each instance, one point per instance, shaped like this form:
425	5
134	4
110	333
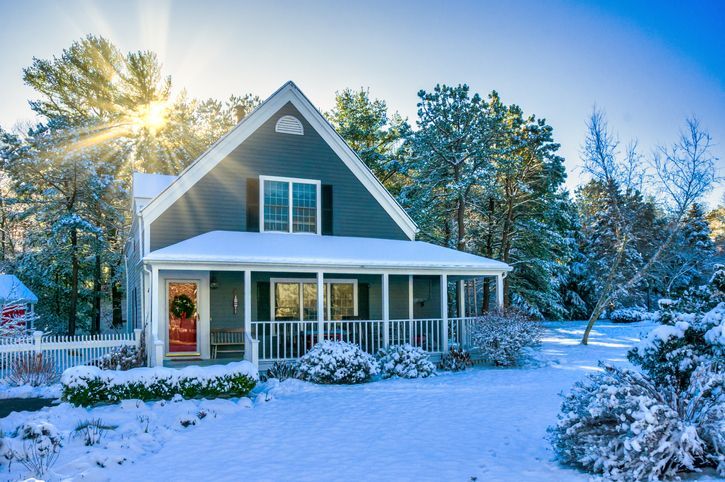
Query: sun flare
151	116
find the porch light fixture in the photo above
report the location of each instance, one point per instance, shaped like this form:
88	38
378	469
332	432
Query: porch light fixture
213	283
235	302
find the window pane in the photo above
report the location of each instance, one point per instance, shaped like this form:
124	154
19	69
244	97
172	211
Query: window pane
276	206
304	208
286	301
309	299
342	302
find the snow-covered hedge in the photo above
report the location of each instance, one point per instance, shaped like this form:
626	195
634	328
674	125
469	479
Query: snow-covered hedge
671	352
85	385
405	361
337	362
626	315
502	337
621	424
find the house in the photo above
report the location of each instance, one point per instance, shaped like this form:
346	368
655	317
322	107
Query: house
17	304
230	256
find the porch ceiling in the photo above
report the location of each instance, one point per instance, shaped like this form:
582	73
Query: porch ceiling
303	250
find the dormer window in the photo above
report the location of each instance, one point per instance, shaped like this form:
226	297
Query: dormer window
289	205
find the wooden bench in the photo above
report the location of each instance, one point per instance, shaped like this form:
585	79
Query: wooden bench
227	340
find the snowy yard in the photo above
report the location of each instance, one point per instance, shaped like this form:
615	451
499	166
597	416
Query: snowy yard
483	423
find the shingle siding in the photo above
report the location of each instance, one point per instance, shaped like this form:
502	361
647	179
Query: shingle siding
217	201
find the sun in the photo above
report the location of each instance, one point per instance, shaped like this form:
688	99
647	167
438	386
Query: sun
152	116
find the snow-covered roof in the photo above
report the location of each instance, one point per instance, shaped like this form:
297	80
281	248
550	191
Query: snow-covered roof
251	248
148	186
12	289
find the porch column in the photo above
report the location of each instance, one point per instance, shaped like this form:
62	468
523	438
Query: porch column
248	302
386	309
411	311
499	291
461	299
444	313
158	341
320	306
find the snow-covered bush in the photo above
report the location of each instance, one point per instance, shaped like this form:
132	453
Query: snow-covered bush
87	386
282	371
671	352
92	431
405	361
502	337
39	447
456	360
122	358
337	362
620	424
626	315
35	370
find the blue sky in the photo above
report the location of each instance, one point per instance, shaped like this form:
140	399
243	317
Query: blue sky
648	64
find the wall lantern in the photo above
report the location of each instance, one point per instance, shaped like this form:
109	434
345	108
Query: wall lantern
213	283
235	302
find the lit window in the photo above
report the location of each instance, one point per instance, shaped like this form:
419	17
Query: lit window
296	299
290	205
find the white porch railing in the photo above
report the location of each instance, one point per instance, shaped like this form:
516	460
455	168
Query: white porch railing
289	340
64	351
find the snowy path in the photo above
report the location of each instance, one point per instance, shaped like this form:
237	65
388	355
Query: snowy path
482	423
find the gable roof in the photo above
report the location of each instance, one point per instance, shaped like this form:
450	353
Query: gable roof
148	186
289	92
13	290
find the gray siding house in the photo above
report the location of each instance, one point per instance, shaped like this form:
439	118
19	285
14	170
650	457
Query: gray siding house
229	258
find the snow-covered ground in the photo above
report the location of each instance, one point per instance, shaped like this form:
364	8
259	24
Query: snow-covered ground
483	423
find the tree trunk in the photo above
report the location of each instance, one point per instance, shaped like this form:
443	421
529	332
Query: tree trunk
608	295
116	299
96	326
73	308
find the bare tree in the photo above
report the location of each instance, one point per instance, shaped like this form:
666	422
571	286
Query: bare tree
685	171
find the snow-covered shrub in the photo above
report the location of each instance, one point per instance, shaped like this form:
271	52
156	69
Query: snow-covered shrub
35	371
502	337
405	361
40	447
282	371
671	352
456	360
620	424
717	281
92	431
626	315
337	362
122	358
87	386
188	420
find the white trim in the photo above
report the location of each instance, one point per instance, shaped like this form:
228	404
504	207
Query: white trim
224	146
291	181
328	268
326	287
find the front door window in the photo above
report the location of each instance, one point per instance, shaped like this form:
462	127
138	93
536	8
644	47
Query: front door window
183	302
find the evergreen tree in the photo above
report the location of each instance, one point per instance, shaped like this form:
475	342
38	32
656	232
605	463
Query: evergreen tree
365	125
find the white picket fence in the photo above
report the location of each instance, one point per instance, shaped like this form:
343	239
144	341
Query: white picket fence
64	351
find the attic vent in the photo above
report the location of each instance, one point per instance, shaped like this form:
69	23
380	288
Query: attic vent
289	125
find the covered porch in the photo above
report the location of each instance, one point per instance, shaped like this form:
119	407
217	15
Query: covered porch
267	311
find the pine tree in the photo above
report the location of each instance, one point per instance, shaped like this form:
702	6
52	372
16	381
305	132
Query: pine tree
374	135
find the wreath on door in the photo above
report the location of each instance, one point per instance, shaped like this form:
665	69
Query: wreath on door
182	306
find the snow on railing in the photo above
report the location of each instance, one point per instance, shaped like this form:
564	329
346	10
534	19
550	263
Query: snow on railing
289	340
64	351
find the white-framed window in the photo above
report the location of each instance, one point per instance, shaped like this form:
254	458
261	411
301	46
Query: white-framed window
293	299
289	205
